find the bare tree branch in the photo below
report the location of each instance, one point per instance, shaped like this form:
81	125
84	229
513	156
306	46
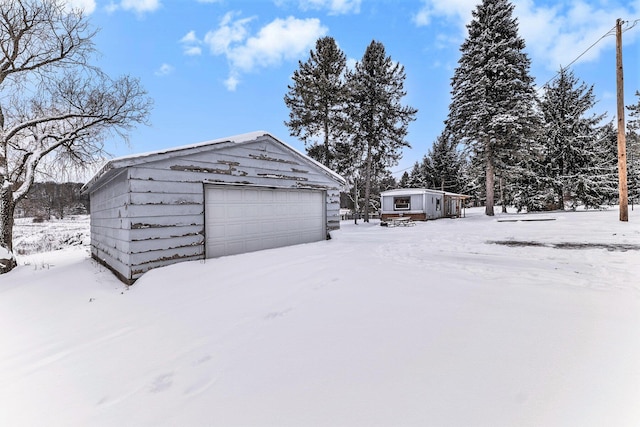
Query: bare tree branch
35	34
53	103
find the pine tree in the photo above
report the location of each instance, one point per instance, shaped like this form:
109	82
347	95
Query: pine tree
493	99
377	121
387	181
424	173
603	176
633	150
573	156
316	101
445	164
404	180
633	124
417	178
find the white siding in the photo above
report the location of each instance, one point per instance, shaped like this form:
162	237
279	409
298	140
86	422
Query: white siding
110	235
153	214
429	202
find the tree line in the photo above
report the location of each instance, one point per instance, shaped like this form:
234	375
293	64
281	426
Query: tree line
503	142
53	199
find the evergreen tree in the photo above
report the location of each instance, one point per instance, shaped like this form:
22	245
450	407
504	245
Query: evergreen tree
493	99
426	173
603	179
474	184
404	180
417	178
633	150
377	121
445	164
633	123
573	154
387	181
316	101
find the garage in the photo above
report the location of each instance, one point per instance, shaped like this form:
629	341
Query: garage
241	219
227	196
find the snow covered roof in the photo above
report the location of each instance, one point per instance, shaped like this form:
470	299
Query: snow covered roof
410	191
112	166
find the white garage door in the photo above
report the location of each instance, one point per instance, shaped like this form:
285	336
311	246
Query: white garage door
246	219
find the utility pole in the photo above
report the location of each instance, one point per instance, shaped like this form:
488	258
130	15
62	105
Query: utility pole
622	154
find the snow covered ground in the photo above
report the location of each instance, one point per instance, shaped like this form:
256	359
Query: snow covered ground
32	237
428	326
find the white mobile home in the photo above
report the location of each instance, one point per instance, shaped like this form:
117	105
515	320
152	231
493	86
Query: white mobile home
222	197
421	204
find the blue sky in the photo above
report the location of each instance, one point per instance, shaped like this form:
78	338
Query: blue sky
218	68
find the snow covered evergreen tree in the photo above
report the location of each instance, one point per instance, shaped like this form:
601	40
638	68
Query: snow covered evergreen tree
417	177
603	179
633	150
574	156
446	162
492	109
316	101
378	122
404	180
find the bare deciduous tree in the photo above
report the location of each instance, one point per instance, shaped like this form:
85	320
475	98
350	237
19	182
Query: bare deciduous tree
54	106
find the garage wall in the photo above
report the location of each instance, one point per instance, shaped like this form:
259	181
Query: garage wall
109	227
164	206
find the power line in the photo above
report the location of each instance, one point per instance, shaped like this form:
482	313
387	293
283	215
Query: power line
402	170
608	33
630	25
611	32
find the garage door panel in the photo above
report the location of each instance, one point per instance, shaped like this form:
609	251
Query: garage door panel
235	210
269	211
252	245
249	219
233	248
267	196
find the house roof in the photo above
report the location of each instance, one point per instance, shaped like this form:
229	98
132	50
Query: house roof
113	166
410	191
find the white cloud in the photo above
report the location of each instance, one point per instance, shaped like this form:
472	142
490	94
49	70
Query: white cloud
334	7
280	40
192	50
86	6
232	82
555	34
190	37
191	44
138	6
228	33
164	70
459	10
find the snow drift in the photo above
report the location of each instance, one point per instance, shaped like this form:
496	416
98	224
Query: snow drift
424	325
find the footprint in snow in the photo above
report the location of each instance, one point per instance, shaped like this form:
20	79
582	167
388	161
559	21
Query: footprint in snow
162	383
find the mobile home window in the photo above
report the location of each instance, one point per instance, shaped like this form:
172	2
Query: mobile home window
401	203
